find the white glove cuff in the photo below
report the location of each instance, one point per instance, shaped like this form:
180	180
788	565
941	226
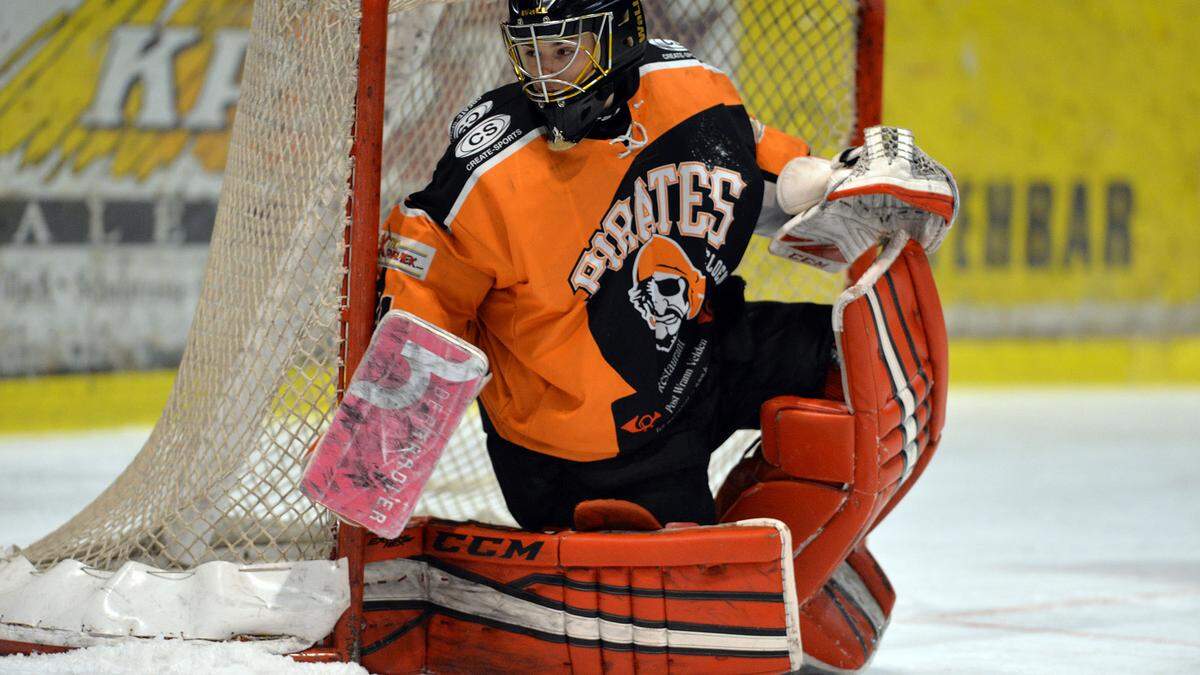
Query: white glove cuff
802	184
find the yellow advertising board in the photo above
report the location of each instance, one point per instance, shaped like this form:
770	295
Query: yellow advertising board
109	81
1071	127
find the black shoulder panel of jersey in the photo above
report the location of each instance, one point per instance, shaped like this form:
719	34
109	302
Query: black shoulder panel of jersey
482	130
662	50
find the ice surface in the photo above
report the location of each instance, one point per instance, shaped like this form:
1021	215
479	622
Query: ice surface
1058	531
49	478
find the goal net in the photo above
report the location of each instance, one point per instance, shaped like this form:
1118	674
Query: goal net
217	479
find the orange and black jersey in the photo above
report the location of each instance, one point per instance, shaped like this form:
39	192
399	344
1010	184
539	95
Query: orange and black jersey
587	276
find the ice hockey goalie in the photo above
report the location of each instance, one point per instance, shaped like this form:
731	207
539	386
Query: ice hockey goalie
784	581
621	349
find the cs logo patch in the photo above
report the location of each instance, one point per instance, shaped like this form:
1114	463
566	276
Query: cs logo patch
641	423
466	120
483	135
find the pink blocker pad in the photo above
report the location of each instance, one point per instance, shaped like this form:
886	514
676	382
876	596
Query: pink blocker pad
407	396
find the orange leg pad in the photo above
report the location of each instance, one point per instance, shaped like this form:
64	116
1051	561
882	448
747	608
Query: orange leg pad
466	598
843	623
809	438
804	507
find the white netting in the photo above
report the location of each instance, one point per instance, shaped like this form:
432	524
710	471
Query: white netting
217	479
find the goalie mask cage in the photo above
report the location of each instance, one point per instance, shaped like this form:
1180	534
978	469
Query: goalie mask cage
342	102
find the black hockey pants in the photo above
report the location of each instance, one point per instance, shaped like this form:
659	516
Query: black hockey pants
771	349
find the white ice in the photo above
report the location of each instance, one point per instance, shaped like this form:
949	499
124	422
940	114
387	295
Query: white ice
1057	531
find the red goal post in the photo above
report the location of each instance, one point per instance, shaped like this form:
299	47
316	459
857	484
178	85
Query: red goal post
345	107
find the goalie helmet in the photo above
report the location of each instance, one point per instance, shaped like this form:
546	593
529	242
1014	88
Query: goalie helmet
571	56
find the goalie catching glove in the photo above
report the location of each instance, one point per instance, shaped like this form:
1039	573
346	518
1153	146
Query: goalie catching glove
864	196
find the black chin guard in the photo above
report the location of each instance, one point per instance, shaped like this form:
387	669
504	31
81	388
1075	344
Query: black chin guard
571	121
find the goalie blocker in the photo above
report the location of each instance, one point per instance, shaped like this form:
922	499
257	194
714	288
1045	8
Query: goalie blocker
409	393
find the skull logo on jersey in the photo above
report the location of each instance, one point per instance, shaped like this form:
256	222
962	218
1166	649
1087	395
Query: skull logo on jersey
667	289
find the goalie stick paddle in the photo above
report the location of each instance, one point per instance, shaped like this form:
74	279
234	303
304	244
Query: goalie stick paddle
412	387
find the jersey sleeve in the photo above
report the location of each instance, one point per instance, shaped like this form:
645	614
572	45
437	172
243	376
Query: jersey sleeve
438	276
775	149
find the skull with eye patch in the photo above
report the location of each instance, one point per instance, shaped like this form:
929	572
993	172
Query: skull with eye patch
667	289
